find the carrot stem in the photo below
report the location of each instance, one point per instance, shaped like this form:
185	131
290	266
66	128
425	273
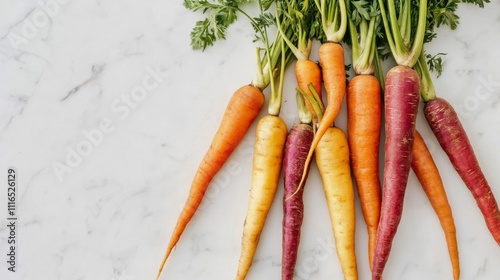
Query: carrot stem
406	52
427	87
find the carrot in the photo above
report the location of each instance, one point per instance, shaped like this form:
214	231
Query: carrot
401	103
402	92
267	158
364	117
297	144
332	158
241	111
308	75
308	72
452	137
447	127
427	173
270	140
331	58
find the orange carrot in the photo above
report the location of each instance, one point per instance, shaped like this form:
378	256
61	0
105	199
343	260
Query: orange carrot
331	57
308	72
364	121
364	117
427	173
241	111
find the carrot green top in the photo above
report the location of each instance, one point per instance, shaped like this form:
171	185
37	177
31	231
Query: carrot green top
363	22
315	101
405	46
221	14
334	18
302	17
305	115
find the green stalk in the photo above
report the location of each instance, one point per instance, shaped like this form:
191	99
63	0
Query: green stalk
305	116
303	48
363	44
388	32
400	46
260	80
406	38
363	31
418	43
277	94
355	44
317	106
379	73
403	53
405	22
331	13
427	90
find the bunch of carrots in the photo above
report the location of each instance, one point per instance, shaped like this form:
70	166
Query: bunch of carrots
373	30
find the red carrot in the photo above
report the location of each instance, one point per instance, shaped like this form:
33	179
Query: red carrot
453	139
449	131
402	92
298	142
297	145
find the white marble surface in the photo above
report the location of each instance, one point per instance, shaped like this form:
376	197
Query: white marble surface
108	215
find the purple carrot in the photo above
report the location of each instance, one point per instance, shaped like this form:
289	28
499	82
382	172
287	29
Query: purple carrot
451	135
402	94
297	146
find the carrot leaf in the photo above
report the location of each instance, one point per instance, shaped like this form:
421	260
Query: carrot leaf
214	26
435	62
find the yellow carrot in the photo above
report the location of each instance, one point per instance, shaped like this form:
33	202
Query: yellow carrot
269	143
332	158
